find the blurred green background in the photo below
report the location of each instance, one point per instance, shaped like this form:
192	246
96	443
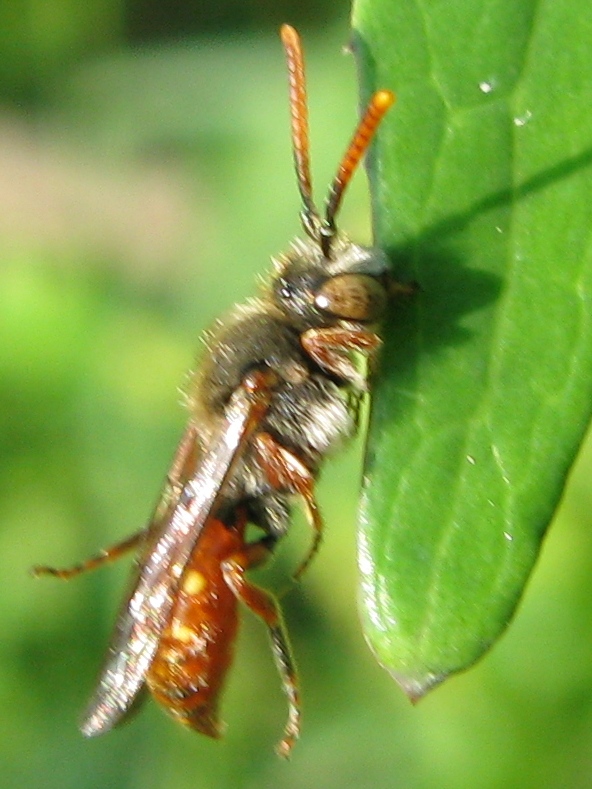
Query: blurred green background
145	179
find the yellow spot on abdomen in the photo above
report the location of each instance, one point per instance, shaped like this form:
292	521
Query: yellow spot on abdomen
193	582
181	632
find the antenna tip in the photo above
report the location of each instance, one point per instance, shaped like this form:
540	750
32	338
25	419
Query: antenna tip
383	99
289	34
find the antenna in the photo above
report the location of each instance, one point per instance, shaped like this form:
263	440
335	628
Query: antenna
378	105
299	119
324	230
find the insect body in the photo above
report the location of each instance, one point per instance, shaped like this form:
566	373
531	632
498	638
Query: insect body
277	390
196	647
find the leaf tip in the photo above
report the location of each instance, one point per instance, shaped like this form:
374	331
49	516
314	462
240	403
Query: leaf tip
416	687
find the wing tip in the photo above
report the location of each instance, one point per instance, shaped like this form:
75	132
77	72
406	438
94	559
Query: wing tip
94	723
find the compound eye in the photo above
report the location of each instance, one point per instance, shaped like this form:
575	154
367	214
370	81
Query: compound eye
355	297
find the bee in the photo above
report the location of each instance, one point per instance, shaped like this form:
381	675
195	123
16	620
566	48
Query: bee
278	388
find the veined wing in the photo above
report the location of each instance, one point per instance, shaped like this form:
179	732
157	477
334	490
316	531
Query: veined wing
170	542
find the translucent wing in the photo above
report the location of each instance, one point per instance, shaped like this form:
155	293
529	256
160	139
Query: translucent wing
169	544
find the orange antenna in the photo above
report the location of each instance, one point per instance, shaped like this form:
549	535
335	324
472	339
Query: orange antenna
377	107
324	231
299	119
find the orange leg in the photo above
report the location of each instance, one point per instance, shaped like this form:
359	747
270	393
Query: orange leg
183	463
266	608
104	557
329	349
285	470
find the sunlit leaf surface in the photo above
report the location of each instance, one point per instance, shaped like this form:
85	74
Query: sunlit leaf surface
482	195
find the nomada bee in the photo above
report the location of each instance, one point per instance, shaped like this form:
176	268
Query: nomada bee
277	390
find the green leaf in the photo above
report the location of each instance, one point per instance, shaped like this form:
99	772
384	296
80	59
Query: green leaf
482	194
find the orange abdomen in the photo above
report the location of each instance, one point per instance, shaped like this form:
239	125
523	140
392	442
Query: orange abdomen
197	645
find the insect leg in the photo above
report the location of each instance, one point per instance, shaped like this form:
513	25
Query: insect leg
106	556
264	605
286	471
183	461
329	349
